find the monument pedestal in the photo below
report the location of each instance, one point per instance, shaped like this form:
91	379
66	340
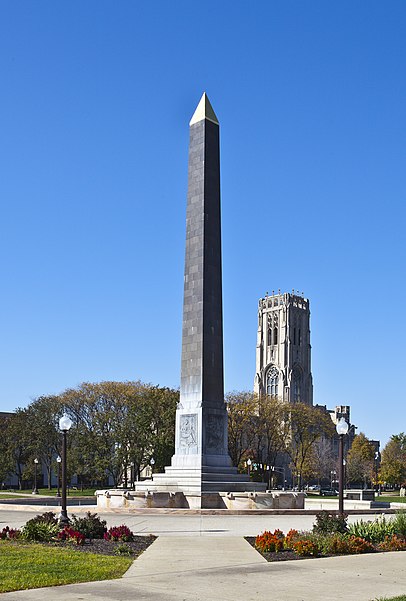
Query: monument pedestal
236	501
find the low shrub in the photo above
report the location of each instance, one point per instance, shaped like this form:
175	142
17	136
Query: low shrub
49	517
119	533
393	543
39	531
330	523
71	536
290	538
123	549
306	547
91	525
9	533
373	532
360	545
399	523
268	542
337	544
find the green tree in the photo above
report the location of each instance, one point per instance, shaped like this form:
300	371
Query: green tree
360	460
393	461
6	463
43	414
98	411
17	435
116	423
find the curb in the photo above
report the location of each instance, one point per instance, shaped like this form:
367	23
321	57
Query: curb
186	512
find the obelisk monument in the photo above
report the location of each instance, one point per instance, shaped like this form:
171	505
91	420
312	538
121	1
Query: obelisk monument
201	468
201	418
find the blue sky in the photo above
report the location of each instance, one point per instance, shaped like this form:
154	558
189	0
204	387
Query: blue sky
95	103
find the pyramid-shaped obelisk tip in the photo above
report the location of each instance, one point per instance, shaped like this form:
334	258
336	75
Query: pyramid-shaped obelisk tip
204	110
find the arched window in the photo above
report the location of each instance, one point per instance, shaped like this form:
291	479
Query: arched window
273	323
297	385
272	382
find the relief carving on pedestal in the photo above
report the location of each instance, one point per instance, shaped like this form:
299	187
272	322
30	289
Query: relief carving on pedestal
188	430
215	434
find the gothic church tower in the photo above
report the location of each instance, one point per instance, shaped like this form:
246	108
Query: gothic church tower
283	360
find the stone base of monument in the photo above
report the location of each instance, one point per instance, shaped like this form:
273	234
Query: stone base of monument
150	499
206	479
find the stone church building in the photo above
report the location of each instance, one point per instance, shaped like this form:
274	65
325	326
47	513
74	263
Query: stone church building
283	357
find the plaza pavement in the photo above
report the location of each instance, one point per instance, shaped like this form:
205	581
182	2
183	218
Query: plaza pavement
205	558
175	524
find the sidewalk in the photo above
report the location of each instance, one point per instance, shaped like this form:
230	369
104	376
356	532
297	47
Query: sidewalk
228	568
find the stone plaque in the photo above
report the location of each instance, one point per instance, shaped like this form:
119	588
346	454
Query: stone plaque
188	430
215	434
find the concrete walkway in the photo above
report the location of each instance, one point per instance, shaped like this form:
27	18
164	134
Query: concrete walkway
228	568
191	524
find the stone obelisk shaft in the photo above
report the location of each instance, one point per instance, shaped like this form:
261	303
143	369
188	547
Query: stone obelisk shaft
201	424
202	335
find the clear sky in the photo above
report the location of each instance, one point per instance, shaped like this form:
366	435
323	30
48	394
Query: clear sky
95	101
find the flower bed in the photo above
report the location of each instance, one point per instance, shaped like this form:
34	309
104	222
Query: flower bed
88	534
331	535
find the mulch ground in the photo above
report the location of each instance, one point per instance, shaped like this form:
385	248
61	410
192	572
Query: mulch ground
105	547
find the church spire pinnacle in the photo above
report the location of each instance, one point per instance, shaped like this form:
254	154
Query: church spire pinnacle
204	110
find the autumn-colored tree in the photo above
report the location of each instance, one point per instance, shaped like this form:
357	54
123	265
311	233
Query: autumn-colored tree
242	409
393	461
308	425
273	431
360	460
321	461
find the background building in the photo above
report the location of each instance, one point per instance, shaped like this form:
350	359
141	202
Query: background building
283	359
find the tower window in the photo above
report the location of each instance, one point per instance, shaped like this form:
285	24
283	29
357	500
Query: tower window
272	382
294	335
300	338
275	335
297	385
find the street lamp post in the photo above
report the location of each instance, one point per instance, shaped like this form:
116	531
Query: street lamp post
132	474
58	460
376	471
152	463
249	463
342	429
35	489
65	423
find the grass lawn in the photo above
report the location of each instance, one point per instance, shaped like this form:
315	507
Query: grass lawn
401	598
390	499
24	566
87	492
8	495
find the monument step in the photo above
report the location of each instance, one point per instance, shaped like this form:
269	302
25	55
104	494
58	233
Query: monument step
178	474
165	484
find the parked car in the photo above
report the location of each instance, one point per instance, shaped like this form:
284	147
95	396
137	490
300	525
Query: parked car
328	492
